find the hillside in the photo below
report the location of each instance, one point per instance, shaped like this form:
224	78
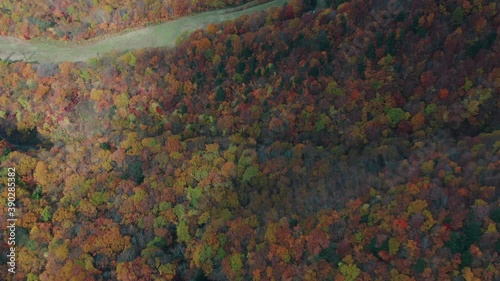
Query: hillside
84	20
157	35
358	142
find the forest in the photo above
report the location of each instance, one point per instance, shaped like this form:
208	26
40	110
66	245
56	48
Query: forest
68	20
356	142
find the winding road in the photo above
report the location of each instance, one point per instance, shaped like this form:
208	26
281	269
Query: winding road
164	34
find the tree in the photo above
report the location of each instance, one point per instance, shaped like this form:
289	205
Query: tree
134	270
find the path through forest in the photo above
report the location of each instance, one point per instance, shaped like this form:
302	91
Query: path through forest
164	34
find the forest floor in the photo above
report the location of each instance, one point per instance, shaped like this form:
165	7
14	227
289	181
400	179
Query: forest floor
164	34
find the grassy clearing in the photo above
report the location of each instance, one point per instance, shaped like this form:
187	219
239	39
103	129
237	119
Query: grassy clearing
164	34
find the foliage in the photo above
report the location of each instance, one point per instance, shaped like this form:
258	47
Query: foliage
359	143
183	232
46	214
395	115
135	172
86	19
495	214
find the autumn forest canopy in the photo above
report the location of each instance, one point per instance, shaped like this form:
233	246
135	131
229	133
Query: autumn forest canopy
356	142
82	20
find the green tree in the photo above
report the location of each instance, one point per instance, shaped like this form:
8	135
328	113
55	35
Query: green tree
47	214
236	262
395	115
183	232
220	94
